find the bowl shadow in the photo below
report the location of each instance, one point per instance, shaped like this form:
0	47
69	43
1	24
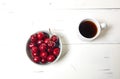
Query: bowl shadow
65	47
64	50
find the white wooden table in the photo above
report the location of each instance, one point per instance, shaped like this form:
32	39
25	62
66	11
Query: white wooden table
98	59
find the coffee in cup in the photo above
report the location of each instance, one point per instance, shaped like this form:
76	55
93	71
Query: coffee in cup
90	29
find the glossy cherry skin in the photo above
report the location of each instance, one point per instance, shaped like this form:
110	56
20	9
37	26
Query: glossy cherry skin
47	40
51	44
43	47
40	35
39	42
34	49
56	51
36	59
43	54
33	38
30	45
50	58
54	38
34	54
49	50
43	60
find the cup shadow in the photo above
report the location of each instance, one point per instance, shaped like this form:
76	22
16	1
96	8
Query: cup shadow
104	32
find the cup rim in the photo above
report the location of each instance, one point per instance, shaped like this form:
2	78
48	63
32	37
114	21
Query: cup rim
97	25
27	50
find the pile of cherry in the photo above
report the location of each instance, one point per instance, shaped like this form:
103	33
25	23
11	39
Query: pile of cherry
43	48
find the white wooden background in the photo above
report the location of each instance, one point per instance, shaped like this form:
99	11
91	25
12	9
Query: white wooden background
98	59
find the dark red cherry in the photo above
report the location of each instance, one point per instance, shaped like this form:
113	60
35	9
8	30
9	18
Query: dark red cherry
43	47
54	38
34	54
36	59
33	38
56	51
31	45
40	35
43	61
39	42
34	49
51	44
43	54
47	40
50	58
49	50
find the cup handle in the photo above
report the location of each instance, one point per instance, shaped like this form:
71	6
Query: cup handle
103	25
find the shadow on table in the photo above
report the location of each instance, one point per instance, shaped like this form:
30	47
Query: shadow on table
104	32
65	47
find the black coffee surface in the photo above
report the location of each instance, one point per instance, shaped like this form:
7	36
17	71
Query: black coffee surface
88	29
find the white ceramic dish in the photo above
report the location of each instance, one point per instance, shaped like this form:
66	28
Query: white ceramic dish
29	53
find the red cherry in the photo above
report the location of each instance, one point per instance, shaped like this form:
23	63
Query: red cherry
39	42
36	59
43	61
43	54
33	38
34	49
51	44
40	35
54	38
31	45
43	47
56	51
50	50
34	54
50	58
46	40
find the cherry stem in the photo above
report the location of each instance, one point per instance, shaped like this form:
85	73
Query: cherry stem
50	32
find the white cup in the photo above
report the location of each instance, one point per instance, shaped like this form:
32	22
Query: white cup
87	34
